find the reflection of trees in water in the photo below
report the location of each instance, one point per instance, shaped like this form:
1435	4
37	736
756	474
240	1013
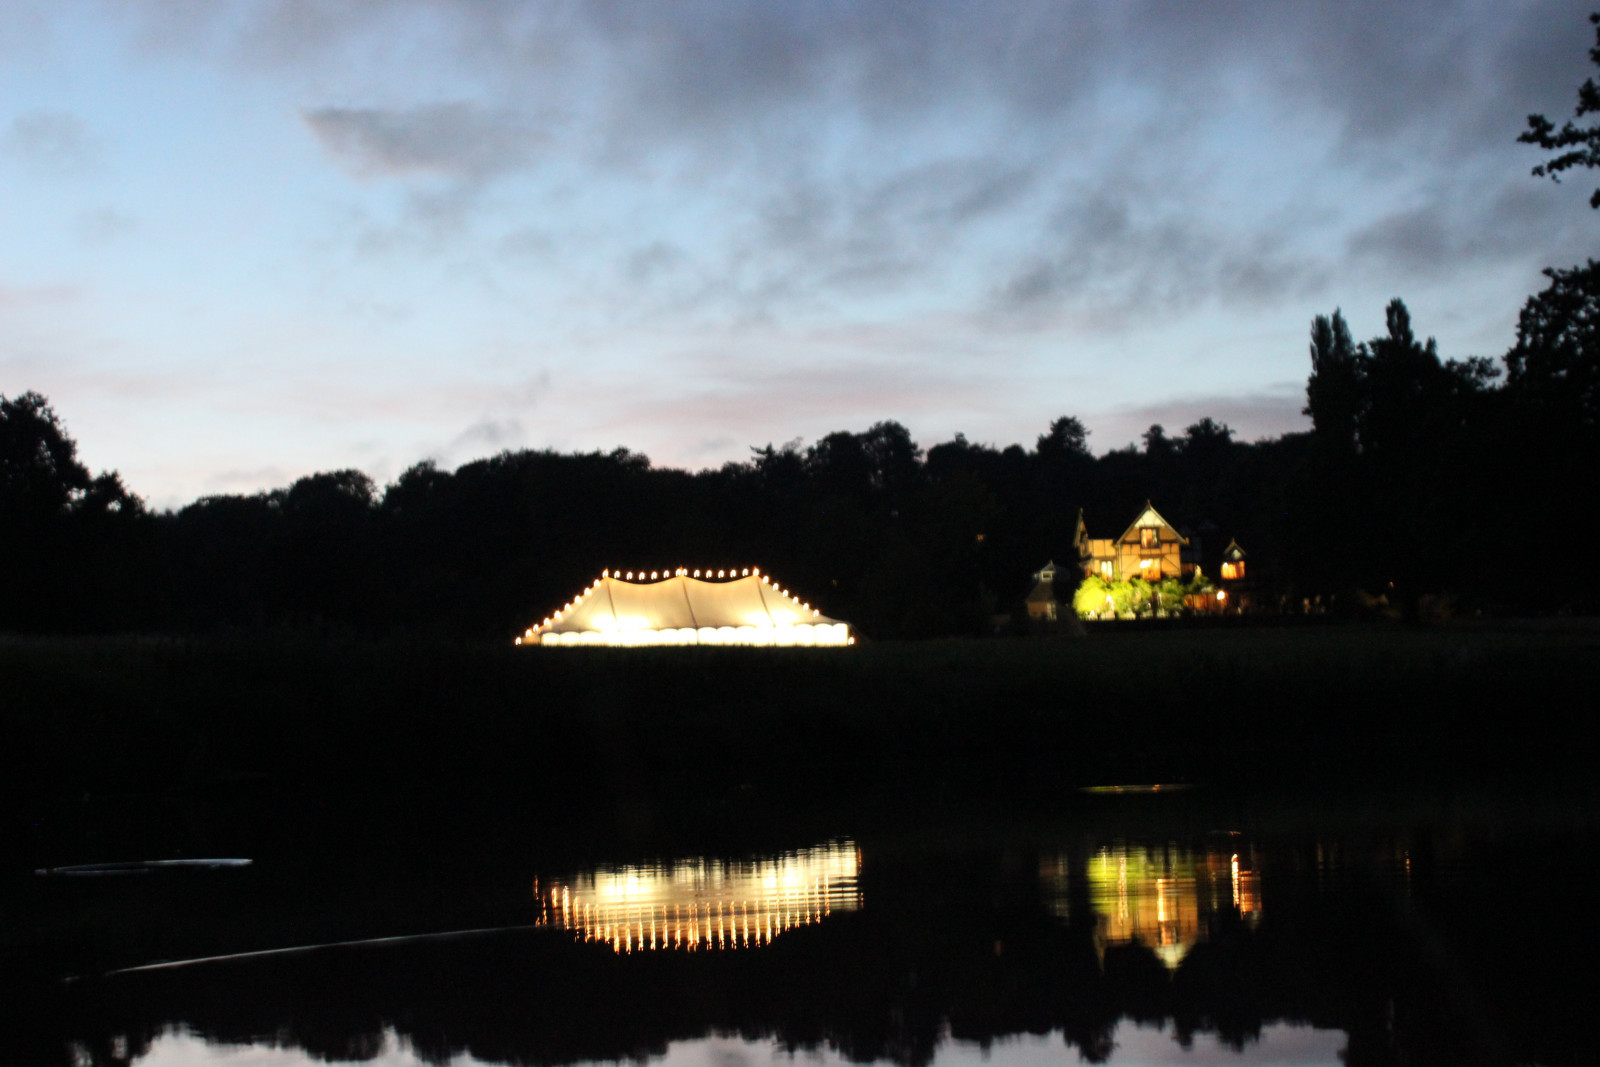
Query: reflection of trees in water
971	948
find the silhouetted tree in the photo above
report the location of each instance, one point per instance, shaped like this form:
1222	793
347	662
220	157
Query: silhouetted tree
1067	439
1575	145
39	469
1556	360
69	540
1333	392
1157	445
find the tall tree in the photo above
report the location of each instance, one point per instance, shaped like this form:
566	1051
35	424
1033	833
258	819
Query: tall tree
1333	392
1556	360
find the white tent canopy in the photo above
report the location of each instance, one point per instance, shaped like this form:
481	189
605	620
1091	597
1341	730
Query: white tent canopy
681	610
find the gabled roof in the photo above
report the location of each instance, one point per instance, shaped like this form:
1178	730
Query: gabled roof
1150	517
678	609
1043	591
1233	551
1080	537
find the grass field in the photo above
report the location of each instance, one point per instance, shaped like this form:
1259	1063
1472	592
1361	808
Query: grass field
324	725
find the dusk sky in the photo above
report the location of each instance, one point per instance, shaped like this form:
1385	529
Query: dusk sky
241	242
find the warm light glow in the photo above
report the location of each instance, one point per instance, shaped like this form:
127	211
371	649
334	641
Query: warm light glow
1222	595
701	903
757	621
1164	897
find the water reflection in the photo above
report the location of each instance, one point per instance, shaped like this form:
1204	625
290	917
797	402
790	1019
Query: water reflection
1212	950
704	903
1279	1046
1165	897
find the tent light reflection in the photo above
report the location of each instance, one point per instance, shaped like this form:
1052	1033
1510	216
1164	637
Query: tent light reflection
700	903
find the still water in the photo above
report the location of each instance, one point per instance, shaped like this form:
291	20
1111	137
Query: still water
1436	944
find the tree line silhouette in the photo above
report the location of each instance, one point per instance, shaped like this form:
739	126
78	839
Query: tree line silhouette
1423	481
1421	476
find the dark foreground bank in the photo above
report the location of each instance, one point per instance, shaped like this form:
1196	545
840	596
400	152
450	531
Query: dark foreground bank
200	737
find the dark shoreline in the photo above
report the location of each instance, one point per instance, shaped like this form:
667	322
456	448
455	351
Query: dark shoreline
1488	706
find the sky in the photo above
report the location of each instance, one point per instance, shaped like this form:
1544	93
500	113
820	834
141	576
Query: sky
243	242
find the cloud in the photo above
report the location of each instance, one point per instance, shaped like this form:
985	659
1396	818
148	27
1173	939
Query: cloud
453	140
495	434
56	144
22	297
246	480
1118	255
843	151
1267	413
1508	221
724	403
104	225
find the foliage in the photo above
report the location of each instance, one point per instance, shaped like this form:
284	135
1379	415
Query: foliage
1097	596
39	468
1576	146
1556	360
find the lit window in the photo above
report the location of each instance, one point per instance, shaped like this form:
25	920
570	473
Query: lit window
1105	568
1228	571
1149	536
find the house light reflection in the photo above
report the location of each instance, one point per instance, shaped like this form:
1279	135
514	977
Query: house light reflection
1165	897
704	903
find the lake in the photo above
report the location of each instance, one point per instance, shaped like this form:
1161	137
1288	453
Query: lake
1129	928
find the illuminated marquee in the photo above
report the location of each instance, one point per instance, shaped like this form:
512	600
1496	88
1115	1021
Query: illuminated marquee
680	607
704	904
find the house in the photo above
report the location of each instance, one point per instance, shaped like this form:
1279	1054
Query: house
1041	601
1233	563
1234	595
1151	548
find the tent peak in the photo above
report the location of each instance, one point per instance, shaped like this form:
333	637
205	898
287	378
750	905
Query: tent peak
710	574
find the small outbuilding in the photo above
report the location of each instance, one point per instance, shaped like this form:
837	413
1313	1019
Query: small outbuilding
1041	602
